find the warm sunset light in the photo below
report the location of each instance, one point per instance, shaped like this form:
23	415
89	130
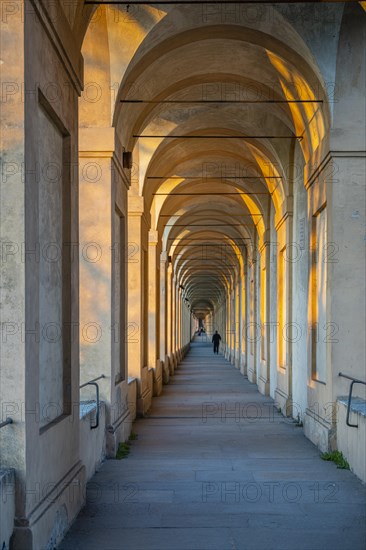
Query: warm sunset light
182	275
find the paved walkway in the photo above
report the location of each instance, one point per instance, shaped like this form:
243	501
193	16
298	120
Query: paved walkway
216	468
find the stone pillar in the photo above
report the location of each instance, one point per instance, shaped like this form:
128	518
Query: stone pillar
137	302
336	208
283	392
264	315
103	212
163	316
186	326
39	272
218	322
232	322
210	324
13	267
273	320
346	279
228	324
179	323
237	324
174	321
252	325
242	320
223	321
336	194
153	328
170	319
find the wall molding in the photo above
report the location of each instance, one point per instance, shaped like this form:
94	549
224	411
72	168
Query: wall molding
326	160
62	39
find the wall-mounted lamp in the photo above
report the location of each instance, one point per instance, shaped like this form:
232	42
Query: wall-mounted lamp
127	159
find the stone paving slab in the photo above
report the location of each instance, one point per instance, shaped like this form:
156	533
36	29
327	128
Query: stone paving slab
269	538
214	479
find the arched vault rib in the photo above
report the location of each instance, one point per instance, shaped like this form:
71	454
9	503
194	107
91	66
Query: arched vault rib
170	157
268	175
222	242
204	218
289	52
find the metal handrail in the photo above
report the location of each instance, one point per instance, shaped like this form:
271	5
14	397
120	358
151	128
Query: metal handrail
94	383
6	422
353	381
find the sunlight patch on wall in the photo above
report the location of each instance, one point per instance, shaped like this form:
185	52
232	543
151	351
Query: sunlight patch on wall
307	117
275	186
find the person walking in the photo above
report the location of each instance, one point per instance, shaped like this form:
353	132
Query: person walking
216	342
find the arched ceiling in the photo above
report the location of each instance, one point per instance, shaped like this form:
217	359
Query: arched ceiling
217	115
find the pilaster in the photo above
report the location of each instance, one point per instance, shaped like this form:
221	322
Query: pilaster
137	302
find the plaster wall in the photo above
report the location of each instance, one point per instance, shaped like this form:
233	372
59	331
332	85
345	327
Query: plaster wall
352	441
7	506
300	266
51	450
92	441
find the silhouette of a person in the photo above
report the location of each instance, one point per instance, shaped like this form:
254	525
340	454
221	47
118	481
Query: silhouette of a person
216	342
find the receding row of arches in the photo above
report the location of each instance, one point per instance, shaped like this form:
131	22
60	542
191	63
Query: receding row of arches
240	211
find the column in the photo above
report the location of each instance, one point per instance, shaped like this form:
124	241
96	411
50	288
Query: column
337	291
242	320
174	321
283	392
103	306
163	316
179	323
137	302
237	324
232	323
170	318
40	293
264	314
252	325
228	324
153	328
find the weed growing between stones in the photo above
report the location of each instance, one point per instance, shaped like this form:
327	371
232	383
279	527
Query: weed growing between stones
124	448
338	458
123	451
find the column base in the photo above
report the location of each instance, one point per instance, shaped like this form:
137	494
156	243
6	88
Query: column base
283	402
158	379
252	375
243	366
48	523
185	350
144	403
118	432
165	370
169	362
263	385
174	360
7	505
320	432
